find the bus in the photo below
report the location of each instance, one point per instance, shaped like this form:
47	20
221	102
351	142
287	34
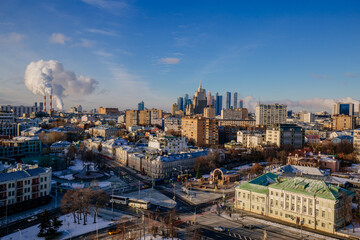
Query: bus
119	200
138	203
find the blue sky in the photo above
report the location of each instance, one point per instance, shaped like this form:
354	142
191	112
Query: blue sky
303	53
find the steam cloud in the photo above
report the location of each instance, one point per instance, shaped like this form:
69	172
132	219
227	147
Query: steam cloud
50	78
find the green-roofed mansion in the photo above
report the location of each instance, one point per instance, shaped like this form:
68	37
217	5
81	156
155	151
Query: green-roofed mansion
312	203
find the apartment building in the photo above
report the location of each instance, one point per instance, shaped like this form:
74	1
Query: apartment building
356	141
234	114
24	186
311	203
251	139
200	130
108	111
269	114
20	146
8	126
169	144
285	134
343	122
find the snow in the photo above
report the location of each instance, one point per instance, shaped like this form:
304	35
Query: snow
153	196
151	237
101	184
78	166
68	229
73	185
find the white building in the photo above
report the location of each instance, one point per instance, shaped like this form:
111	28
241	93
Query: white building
269	114
24	183
312	203
169	144
109	147
234	114
251	139
103	131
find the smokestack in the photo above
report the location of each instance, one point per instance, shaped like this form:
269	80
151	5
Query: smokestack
50	102
44	103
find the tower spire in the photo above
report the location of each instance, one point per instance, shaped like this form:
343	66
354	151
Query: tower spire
200	86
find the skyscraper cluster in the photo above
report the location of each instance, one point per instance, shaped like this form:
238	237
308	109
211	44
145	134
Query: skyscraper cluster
202	100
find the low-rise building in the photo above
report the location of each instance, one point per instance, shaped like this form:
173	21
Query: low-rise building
104	131
285	134
59	147
251	139
19	146
312	203
168	144
24	185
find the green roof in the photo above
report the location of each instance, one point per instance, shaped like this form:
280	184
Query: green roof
311	187
259	184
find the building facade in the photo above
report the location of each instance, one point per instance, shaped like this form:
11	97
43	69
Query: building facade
104	131
285	134
19	111
8	126
199	100
269	114
20	146
200	130
343	122
24	184
312	203
108	111
234	114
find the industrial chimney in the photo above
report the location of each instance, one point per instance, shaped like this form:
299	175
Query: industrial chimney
44	103
50	102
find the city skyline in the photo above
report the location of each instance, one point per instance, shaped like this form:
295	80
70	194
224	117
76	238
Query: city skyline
137	51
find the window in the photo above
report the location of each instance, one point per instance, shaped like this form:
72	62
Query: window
323	213
323	225
276	194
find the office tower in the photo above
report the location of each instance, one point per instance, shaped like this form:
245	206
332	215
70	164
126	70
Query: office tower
209	99
141	106
241	104
218	104
344	109
174	108
199	100
180	103
186	101
269	114
227	100
235	100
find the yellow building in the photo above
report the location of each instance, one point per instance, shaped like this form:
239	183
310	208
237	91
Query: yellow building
202	131
132	118
209	112
343	122
108	111
307	202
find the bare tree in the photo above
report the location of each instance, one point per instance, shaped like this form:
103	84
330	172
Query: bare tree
98	198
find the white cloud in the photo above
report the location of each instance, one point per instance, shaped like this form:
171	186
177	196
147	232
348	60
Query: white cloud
351	74
103	53
107	4
314	104
320	77
169	61
12	37
103	32
84	43
58	38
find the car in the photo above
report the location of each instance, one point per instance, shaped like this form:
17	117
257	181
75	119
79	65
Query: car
249	226
33	218
219	228
113	231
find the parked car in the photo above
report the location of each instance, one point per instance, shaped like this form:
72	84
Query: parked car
219	228
33	218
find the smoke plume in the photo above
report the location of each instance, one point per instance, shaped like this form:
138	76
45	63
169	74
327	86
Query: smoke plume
50	78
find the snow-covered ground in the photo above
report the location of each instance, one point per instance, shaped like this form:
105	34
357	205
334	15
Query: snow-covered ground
151	237
154	196
68	229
